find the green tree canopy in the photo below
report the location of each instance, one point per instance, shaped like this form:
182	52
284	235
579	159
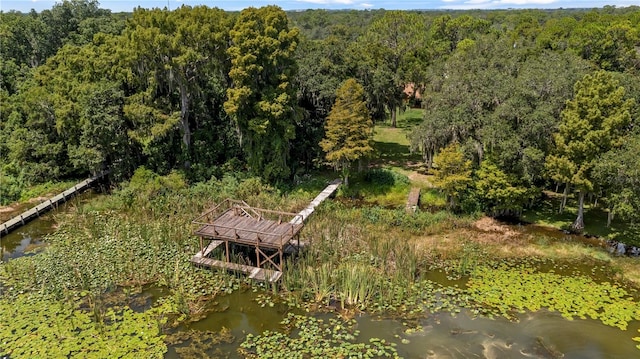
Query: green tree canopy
349	129
262	99
452	172
390	51
618	172
593	123
498	192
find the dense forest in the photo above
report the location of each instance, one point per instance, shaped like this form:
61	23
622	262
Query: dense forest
514	101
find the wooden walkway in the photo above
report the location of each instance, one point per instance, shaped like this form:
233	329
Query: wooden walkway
249	230
45	206
412	200
271	233
254	272
326	193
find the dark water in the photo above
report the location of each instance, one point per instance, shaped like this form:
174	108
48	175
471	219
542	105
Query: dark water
536	335
541	334
28	238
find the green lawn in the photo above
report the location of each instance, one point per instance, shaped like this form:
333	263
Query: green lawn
392	144
393	154
595	220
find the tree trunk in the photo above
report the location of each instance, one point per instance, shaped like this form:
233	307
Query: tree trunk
393	116
184	121
609	217
578	224
565	194
345	173
428	159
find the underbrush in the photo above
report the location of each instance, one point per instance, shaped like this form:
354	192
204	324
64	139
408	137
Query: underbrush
14	190
595	220
378	186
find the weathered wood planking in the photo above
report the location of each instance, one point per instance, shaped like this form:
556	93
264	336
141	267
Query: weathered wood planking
254	272
412	200
249	230
208	249
45	206
326	193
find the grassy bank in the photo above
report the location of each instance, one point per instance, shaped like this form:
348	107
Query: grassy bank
595	219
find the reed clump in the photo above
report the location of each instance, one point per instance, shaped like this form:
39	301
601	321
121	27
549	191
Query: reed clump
365	258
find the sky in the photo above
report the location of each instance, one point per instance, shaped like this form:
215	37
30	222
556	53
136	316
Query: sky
232	5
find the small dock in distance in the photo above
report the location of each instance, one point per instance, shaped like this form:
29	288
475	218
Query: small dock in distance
413	200
270	233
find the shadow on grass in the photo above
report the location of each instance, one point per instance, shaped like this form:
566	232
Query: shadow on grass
595	220
397	155
410	118
378	187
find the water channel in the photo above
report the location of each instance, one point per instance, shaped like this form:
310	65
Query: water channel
541	334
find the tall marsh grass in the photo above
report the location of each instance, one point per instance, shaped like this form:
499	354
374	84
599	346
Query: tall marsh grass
364	258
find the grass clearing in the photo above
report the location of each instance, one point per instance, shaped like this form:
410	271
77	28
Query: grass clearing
595	220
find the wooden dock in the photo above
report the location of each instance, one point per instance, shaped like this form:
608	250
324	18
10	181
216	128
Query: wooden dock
50	203
413	200
270	233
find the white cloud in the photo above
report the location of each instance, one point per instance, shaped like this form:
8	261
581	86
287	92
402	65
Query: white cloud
366	5
523	2
329	2
492	4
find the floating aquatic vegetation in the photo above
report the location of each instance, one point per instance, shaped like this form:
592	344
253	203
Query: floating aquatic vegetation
509	290
198	344
37	328
305	337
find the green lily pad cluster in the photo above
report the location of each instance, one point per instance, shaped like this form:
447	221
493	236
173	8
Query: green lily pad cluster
310	337
510	290
36	328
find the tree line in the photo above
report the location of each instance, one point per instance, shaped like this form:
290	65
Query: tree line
529	98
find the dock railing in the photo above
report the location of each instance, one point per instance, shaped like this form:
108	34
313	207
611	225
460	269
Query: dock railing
207	219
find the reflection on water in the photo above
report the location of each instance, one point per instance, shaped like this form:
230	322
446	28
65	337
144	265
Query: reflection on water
29	237
26	238
536	335
541	334
242	314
